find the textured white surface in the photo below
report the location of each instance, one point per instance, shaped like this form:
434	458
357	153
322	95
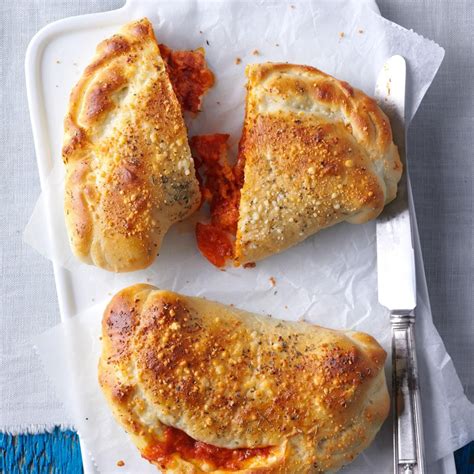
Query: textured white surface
440	139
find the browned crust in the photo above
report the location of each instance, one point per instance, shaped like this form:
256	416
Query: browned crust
366	116
129	171
321	147
99	101
234	379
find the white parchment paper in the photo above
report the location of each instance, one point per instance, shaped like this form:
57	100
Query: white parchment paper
329	279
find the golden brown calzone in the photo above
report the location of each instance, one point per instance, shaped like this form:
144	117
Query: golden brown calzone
314	152
129	171
203	387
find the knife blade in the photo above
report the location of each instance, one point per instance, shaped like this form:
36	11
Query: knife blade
397	282
395	256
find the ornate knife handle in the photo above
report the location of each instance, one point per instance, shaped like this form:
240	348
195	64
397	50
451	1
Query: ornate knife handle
408	441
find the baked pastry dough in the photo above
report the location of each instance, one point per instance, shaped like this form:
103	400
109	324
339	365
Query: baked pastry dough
203	387
314	152
129	170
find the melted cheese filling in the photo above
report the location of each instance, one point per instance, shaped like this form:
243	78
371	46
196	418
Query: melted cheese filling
178	442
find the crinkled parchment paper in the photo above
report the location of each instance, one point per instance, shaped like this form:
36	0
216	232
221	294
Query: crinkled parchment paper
329	279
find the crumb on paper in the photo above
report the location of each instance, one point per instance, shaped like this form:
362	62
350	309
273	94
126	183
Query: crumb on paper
74	64
255	52
207	42
238	60
341	34
272	281
275	292
250	265
200	32
217	102
120	463
360	31
292	7
58	61
277	44
286	306
148	279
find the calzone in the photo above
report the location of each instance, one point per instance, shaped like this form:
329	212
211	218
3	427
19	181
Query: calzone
129	170
203	387
314	151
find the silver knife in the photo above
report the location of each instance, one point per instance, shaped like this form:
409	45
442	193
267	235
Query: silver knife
397	284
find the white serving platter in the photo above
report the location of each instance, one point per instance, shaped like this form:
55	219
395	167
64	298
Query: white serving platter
55	59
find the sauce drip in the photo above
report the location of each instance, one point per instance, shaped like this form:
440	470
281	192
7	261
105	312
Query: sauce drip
214	244
177	441
221	189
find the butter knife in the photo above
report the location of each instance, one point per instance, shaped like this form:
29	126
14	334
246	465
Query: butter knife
397	284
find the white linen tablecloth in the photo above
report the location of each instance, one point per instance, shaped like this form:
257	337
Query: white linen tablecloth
440	146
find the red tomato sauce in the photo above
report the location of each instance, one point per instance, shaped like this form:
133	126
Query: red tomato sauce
189	74
177	441
221	188
214	243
